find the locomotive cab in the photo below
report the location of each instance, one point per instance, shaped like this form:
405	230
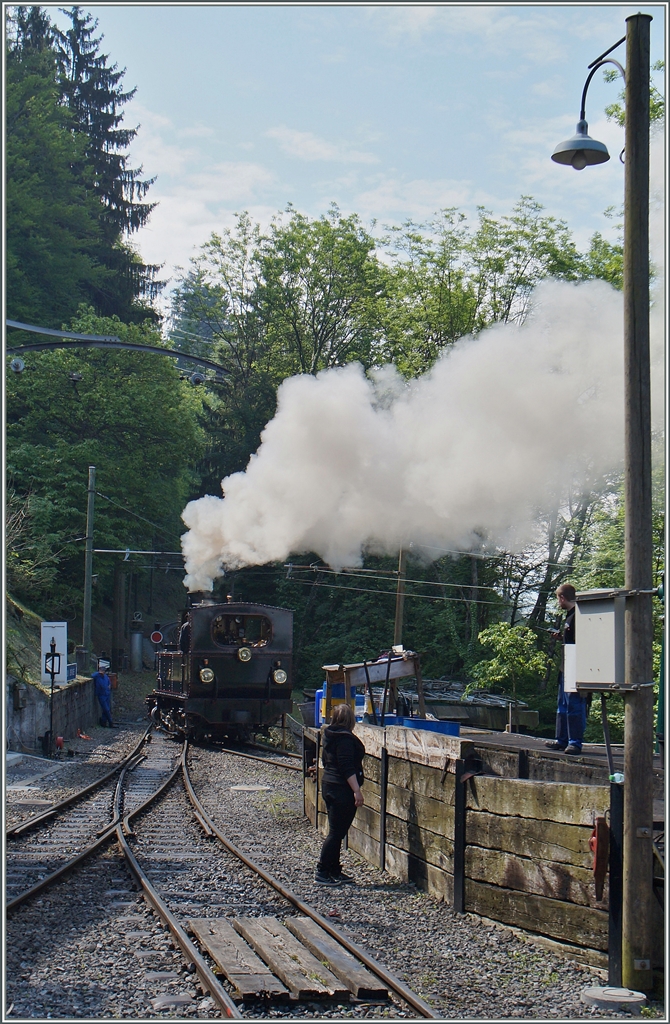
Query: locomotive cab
230	673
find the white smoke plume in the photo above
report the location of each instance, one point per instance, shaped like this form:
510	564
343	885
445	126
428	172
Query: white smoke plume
501	425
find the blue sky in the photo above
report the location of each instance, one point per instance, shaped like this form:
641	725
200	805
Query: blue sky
390	111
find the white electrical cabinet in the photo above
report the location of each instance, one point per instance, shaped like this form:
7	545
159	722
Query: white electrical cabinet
599	638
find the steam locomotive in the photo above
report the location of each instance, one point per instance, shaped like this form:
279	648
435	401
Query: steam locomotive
229	674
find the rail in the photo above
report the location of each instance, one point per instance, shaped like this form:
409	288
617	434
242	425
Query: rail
123	829
37	819
265	760
389	979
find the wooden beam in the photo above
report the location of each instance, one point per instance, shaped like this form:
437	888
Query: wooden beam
426	876
550	801
529	837
243	969
434	849
567	922
425	780
434	815
544	877
360	982
304	975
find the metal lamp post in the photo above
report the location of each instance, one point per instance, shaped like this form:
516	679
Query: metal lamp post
579	152
52	668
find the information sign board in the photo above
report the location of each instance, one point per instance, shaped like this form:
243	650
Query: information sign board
54	631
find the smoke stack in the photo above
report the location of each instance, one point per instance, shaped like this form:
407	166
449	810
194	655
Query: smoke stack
200	597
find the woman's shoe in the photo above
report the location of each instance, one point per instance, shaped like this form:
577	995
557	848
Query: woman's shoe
323	878
341	876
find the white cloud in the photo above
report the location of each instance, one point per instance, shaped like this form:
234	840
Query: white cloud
307	146
541	32
194	194
392	199
197	131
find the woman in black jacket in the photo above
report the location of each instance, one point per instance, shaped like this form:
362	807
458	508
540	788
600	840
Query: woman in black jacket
342	757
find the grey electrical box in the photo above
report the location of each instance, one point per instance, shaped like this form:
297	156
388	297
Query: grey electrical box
20	696
599	639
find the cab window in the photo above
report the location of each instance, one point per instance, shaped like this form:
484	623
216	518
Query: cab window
241	631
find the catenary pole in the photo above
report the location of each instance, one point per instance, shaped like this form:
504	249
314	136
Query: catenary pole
638	743
400	597
88	568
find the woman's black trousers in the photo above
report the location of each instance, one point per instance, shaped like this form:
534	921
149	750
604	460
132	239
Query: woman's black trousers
341	806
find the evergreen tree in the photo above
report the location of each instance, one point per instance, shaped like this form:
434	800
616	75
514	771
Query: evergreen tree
53	229
73	201
93	93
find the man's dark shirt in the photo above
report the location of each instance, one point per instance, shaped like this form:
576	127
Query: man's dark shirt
569	628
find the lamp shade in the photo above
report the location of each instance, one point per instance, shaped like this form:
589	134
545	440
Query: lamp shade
580	150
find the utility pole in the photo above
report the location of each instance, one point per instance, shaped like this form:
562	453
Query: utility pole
400	598
88	569
639	721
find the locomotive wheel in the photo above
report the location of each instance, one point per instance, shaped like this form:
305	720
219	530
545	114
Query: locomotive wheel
194	729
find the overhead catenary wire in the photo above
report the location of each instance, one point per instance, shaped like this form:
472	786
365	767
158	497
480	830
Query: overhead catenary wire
130	512
427	583
389	593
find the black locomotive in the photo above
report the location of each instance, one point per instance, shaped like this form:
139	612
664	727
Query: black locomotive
230	672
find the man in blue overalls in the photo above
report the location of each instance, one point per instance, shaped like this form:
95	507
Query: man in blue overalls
103	691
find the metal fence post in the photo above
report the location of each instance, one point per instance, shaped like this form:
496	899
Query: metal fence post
383	785
614	943
459	837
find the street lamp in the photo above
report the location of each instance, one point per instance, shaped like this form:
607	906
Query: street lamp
52	668
638	697
581	150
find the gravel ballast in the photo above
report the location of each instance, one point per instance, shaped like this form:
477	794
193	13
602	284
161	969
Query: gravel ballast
91	948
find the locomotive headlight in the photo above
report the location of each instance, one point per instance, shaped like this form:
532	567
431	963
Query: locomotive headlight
279	675
206	675
244	654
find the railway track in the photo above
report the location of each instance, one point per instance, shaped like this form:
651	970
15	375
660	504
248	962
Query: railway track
299	924
47	845
19	828
219	906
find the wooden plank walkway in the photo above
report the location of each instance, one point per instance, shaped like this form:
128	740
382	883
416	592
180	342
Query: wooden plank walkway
243	969
301	972
361	983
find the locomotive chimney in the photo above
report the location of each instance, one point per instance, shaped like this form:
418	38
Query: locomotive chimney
200	597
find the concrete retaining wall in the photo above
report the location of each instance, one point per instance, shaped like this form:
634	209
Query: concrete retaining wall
75	707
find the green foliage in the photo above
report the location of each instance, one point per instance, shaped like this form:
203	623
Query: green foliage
516	665
266	306
52	226
92	92
447	280
617	112
30	565
320	285
129	416
604	261
71	199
